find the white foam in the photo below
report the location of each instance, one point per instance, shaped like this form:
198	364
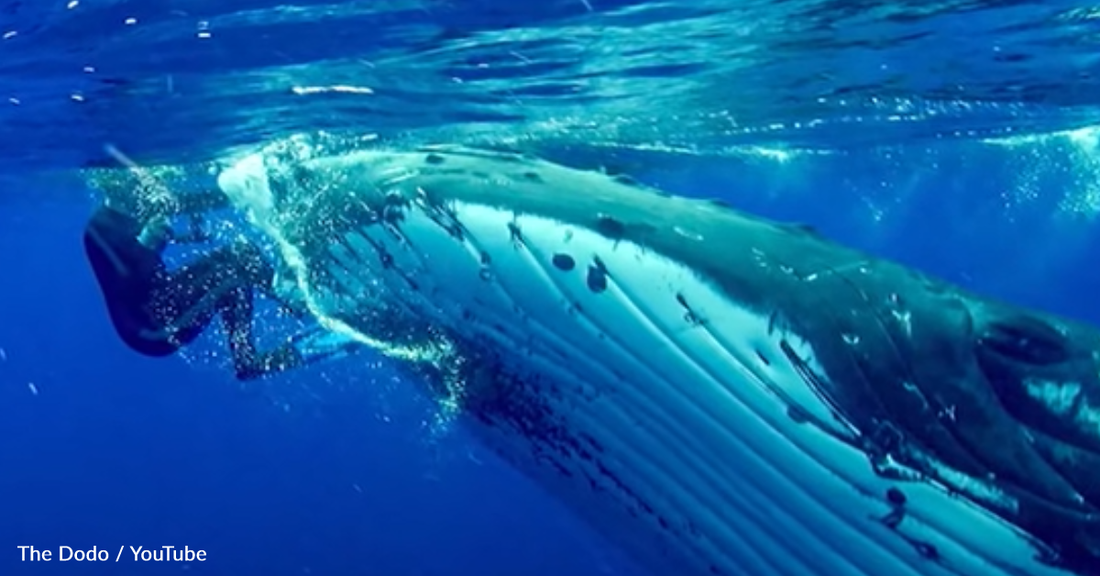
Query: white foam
246	185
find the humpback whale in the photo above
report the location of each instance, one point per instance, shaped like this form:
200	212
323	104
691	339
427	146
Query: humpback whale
718	393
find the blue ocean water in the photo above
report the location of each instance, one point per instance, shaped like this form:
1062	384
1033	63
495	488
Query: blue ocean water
954	136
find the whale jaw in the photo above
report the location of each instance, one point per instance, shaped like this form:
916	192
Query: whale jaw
677	420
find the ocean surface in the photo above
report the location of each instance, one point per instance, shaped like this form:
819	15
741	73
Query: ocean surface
960	137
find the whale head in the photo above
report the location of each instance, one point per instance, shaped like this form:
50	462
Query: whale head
724	392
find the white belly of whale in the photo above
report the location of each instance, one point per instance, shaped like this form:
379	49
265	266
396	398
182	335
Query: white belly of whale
692	461
714	473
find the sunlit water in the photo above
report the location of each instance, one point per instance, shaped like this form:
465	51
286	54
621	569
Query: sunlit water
683	86
637	84
189	79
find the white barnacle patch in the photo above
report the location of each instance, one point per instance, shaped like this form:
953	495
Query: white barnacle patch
1059	397
1088	415
905	319
687	234
915	390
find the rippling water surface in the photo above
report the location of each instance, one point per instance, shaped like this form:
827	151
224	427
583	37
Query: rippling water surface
974	112
188	79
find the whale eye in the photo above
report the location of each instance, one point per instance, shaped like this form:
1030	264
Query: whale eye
1026	340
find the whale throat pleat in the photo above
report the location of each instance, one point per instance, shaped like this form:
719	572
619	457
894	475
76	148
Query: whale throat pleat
679	421
673	387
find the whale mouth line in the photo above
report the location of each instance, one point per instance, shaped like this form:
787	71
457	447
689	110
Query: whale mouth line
666	412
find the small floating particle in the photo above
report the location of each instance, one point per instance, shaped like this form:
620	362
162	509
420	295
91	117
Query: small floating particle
340	89
357	488
77	97
72	4
14	101
3	355
131	21
32	388
10	34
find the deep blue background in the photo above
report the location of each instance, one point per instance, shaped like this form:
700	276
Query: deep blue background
116	449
